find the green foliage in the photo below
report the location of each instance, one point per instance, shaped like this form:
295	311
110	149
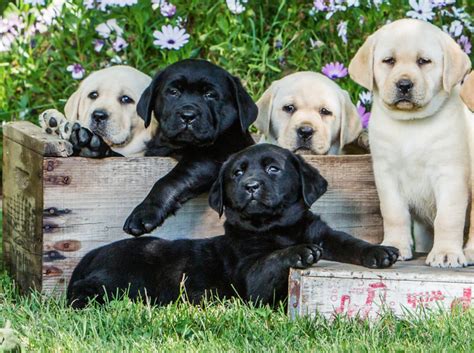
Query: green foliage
34	75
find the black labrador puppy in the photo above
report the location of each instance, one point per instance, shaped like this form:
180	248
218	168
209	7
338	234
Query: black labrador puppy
265	192
203	114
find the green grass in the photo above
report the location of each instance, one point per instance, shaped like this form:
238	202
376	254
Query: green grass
48	325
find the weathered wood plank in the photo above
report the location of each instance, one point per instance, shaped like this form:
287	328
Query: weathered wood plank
22	213
33	138
330	288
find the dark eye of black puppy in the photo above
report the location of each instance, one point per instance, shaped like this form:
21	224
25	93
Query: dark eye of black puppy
211	94
289	108
93	95
126	100
273	169
173	92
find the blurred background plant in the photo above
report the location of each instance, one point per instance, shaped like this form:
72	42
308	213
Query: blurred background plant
47	46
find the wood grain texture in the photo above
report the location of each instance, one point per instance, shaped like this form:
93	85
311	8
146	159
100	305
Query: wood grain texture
22	213
330	289
33	138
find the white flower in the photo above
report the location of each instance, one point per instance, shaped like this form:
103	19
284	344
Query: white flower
235	6
342	31
98	45
105	29
422	10
77	71
455	28
354	3
442	3
365	97
89	4
170	37
34	2
315	43
119	44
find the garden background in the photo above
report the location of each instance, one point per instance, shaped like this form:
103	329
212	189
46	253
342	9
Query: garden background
47	46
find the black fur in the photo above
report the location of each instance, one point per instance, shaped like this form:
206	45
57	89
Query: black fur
222	112
269	229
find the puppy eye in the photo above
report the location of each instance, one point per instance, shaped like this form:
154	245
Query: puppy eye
324	111
389	61
93	95
211	94
423	61
289	108
126	100
273	169
238	173
173	92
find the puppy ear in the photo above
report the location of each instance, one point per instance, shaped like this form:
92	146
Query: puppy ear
351	126
246	108
456	63
145	103
216	194
313	185
361	67
71	109
467	91
265	108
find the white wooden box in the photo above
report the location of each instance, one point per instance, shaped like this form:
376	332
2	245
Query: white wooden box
331	289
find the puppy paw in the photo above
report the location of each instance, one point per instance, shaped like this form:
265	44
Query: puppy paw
405	251
303	256
469	254
379	256
51	121
143	219
87	144
444	258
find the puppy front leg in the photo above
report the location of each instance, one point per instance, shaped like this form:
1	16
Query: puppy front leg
342	247
267	279
192	176
451	201
395	213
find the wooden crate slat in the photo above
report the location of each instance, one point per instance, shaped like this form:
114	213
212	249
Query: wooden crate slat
33	138
331	289
22	209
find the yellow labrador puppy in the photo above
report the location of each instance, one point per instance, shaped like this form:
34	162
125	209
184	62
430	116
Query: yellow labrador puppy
307	112
419	135
467	95
105	103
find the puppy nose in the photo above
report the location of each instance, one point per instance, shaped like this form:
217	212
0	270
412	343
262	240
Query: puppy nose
188	115
99	115
305	132
404	85
252	186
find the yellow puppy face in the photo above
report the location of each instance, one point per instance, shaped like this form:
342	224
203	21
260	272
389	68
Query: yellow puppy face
467	91
411	66
307	112
105	102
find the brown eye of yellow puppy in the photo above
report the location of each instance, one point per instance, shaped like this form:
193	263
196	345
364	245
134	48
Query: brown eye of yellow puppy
324	111
126	100
93	95
289	108
389	61
423	61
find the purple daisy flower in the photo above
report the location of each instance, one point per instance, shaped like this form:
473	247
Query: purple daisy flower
170	37
363	114
77	71
334	70
465	44
119	44
167	9
98	45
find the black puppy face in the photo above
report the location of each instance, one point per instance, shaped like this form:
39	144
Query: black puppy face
194	101
265	184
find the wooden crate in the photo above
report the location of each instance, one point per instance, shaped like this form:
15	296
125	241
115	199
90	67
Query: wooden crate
56	209
331	289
